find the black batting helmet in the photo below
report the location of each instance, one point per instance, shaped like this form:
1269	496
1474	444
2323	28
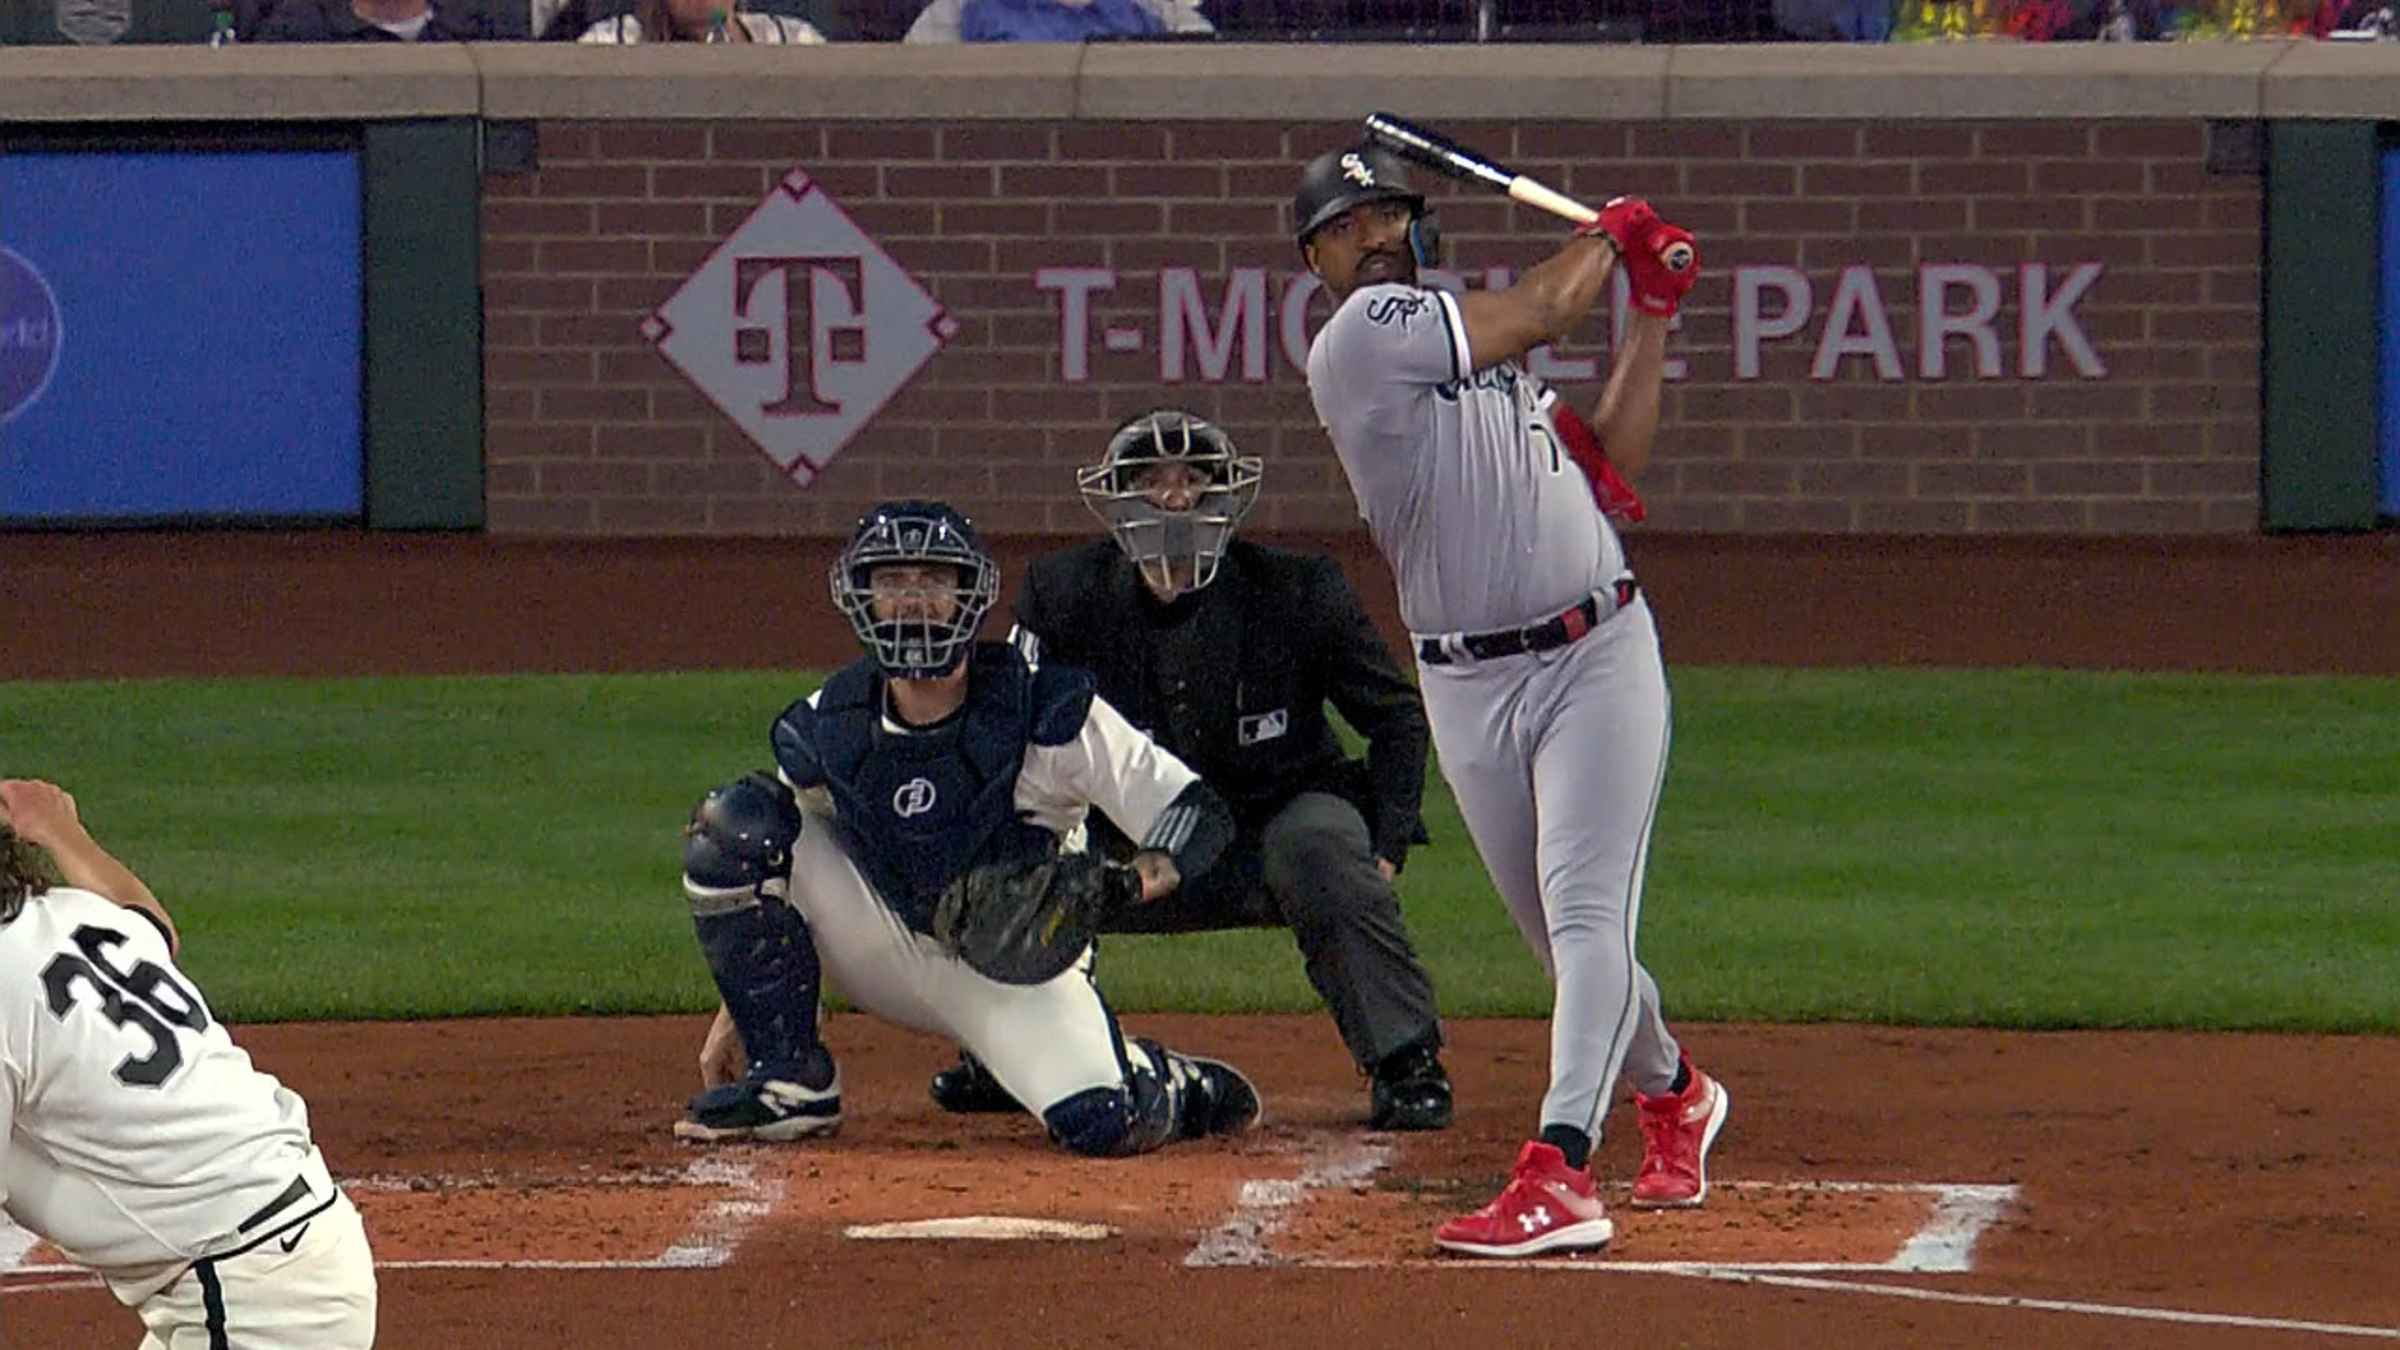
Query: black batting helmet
1338	180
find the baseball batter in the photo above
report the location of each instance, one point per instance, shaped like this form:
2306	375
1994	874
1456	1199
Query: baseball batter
139	1139
936	754
1536	651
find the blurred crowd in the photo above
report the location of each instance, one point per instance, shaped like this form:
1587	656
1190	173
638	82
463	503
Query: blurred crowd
791	22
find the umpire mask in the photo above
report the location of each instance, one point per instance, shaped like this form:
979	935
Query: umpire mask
1171	489
923	633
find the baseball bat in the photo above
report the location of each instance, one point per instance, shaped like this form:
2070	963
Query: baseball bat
1446	156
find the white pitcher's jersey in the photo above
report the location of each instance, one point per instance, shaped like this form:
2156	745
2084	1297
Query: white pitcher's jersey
1458	472
140	1138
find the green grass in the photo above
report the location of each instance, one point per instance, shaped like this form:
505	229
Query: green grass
2003	848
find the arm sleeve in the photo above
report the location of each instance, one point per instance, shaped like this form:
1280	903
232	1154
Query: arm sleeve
1193	830
1367	688
1396	335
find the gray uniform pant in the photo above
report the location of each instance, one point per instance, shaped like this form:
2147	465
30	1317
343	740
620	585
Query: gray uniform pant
1557	759
1311	868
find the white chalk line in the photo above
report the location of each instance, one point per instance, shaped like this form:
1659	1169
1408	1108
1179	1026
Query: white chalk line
1265	1207
1945	1244
2125	1310
715	1234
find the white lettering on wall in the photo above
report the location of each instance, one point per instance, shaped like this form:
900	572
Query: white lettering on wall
1219	337
1075	286
1750	323
1241	323
2042	316
1935	322
1857	304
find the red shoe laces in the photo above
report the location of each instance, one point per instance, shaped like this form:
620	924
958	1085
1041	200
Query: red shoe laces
1664	1132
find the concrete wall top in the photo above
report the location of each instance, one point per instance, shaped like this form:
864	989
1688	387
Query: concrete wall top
1224	81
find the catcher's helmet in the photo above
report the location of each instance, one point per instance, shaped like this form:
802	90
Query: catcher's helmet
1156	538
915	532
1338	180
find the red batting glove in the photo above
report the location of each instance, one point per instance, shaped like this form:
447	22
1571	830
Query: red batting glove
1657	288
1626	221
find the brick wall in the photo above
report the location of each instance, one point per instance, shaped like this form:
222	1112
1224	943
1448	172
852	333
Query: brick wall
590	430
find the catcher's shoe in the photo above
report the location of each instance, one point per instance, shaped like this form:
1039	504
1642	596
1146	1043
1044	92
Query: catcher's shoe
769	1110
1678	1129
1546	1206
968	1088
1213	1097
1410	1091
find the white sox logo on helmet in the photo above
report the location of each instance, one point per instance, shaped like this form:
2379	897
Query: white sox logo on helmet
1354	168
914	798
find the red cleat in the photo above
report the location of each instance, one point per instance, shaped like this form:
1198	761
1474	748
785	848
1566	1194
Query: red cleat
1546	1206
1677	1132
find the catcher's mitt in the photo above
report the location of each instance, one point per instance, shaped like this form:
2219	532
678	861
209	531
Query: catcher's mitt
1027	922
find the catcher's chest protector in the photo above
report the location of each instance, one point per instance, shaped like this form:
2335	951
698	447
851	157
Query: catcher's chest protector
918	809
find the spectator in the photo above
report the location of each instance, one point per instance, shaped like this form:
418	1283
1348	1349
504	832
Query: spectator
377	21
1055	20
692	20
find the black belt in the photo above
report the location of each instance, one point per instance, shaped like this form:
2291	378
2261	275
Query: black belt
1554	632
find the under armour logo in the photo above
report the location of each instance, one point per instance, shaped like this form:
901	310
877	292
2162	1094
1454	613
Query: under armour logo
914	798
1354	168
1535	1220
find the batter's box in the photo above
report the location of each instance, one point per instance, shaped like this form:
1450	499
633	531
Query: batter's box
695	1216
1746	1225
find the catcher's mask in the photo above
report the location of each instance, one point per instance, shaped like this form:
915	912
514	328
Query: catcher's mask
917	533
1176	547
1338	180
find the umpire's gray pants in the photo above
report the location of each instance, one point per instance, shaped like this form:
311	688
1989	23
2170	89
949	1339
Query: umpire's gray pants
1312	869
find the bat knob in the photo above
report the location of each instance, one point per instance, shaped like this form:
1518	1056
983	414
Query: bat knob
1677	256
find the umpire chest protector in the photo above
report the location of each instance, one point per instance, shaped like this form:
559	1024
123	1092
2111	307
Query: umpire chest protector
917	808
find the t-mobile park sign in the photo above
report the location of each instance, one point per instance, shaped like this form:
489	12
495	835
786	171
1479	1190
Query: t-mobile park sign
1230	334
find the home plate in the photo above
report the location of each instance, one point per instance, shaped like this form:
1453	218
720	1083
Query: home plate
982	1227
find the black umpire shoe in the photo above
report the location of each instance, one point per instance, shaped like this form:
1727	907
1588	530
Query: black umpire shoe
1410	1091
968	1088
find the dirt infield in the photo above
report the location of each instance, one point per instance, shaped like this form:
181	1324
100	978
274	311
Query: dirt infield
2227	1177
1876	1188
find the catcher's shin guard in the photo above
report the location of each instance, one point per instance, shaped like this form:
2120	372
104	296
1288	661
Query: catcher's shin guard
765	965
1166	1097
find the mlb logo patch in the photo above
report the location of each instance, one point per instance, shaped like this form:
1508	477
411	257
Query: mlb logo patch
1265	726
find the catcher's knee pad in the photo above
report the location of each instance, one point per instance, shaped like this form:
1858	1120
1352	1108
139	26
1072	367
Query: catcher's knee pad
737	847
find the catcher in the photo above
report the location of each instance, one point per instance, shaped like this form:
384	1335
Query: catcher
934	888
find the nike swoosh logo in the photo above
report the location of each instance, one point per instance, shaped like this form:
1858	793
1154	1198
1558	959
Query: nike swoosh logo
292	1239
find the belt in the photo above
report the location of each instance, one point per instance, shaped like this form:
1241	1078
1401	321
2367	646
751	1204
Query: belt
1554	632
292	1195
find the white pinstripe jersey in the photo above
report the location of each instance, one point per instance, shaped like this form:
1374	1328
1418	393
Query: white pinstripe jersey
139	1136
1458	472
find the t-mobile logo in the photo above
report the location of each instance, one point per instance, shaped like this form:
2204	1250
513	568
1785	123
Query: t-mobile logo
799	327
845	342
